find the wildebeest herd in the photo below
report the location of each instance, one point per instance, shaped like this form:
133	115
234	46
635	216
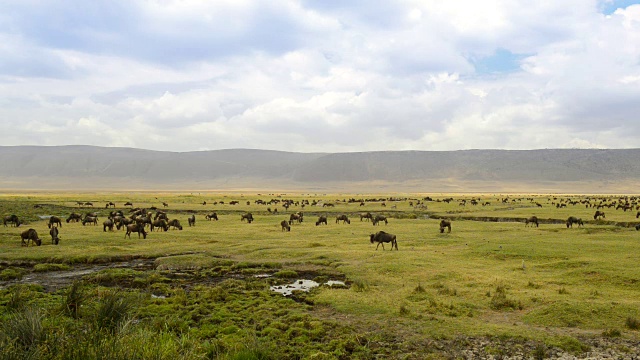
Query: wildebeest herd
138	220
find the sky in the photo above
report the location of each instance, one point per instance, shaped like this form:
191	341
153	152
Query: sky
321	76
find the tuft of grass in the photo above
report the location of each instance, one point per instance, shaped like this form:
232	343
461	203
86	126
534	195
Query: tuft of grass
419	289
12	273
25	327
360	285
500	301
563	291
611	333
540	352
286	274
113	312
632	323
404	310
50	267
73	299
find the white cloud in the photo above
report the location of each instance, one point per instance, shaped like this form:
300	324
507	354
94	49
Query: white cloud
308	76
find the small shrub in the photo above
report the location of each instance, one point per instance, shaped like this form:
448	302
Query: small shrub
540	353
360	285
112	311
73	299
500	300
17	298
633	323
404	310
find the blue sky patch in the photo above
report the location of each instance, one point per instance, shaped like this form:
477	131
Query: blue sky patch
501	61
609	7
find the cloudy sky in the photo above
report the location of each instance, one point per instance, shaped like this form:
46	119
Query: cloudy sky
326	75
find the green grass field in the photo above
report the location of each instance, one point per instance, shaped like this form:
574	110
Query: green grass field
549	286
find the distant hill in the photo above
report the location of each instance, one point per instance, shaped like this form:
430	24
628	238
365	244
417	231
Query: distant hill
90	167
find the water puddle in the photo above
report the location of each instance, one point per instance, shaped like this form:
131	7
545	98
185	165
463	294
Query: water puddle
303	285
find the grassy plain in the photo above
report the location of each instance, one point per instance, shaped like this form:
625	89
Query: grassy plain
550	286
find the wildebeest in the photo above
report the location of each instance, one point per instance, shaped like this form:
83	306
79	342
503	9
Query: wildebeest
366	216
109	204
54	220
160	223
382	237
211	216
90	219
637	227
123	222
531	220
175	223
75	217
379	218
135	228
574	220
599	214
295	218
88	204
128	203
445	224
107	224
30	235
192	220
285	225
321	220
12	219
165	204
54	232
248	217
344	218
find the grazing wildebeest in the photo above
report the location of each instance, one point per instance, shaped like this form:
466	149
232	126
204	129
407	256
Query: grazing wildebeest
295	217
12	219
90	219
54	232
599	214
366	216
379	218
445	224
531	220
285	225
211	216
574	220
192	220
248	217
107	224
135	228
123	222
343	218
30	235
88	204
321	220
128	203
637	227
160	223
175	223
382	237
165	204
75	217
109	204
54	220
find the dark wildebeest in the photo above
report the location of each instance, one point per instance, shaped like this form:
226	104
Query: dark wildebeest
54	232
160	215
109	204
192	220
30	235
379	218
638	215
165	204
88	204
135	228
343	218
599	214
175	223
128	203
285	225
321	220
90	219
12	219
531	220
445	224
160	223
574	220
212	216
296	218
637	227
382	237
248	217
123	222
54	220
366	216
75	217
107	224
